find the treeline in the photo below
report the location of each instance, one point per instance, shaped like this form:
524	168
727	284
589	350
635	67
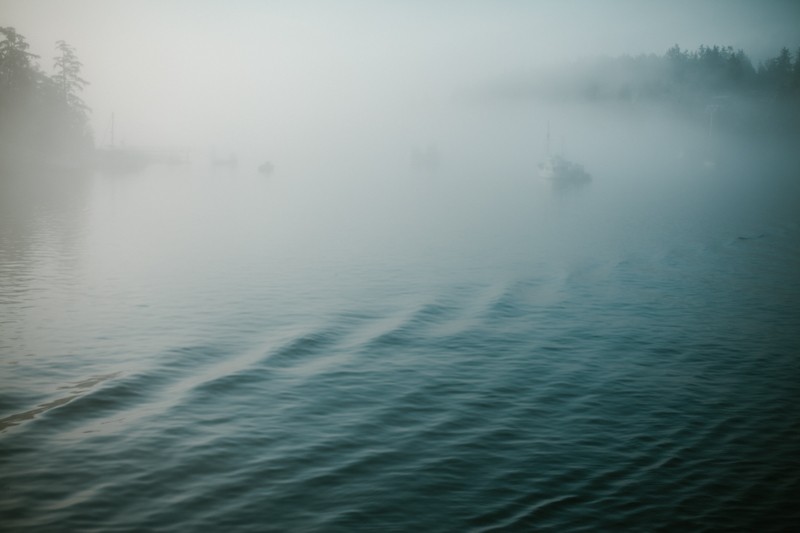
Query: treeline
716	68
43	120
766	95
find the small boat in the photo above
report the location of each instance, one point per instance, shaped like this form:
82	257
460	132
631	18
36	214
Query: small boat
117	159
560	171
266	168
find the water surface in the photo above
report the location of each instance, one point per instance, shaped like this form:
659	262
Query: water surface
347	346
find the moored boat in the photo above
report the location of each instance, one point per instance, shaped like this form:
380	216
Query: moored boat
560	171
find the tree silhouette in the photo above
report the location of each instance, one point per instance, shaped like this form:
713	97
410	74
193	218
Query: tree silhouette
72	111
17	66
796	73
67	76
43	119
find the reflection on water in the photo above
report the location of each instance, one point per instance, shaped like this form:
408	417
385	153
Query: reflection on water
372	347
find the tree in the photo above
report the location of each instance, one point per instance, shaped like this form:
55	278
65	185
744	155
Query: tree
777	72
71	112
796	73
19	77
18	73
43	119
68	77
740	68
677	61
16	63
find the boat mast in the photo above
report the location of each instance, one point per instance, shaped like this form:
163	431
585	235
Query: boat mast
547	151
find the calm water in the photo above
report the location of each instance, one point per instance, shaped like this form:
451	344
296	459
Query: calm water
361	348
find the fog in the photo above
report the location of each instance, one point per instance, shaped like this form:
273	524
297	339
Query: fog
292	78
381	116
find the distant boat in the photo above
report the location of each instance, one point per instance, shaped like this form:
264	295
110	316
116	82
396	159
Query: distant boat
560	171
266	168
118	159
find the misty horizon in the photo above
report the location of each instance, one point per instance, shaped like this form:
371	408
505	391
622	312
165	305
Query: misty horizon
205	75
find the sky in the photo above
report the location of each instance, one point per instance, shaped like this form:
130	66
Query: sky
181	72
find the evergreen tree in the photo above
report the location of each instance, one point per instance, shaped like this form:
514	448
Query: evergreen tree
72	111
19	77
796	74
43	119
17	65
777	72
67	77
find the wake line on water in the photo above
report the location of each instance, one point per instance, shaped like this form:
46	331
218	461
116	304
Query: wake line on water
82	388
202	370
448	320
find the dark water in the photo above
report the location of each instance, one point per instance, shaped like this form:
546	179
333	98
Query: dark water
376	350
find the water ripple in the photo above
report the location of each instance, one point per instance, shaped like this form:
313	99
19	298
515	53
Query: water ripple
648	388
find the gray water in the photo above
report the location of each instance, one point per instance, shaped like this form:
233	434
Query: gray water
354	346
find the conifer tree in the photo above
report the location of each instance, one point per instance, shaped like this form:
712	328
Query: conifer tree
68	78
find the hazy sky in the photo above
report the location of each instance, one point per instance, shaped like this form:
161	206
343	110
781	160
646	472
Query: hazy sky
192	71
